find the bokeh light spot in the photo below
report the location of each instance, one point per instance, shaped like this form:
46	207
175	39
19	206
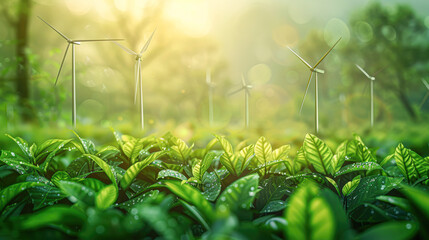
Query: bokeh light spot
335	29
92	109
259	74
389	32
285	35
364	31
79	7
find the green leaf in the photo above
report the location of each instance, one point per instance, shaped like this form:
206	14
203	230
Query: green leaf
180	150
281	152
78	192
309	216
419	200
93	183
106	197
391	230
19	166
404	161
52	154
60	175
263	151
245	159
363	154
273	189
43	196
351	186
134	148
108	152
239	194
419	164
84	146
8	193
192	196
396	201
346	151
104	166
148	196
274	206
318	154
167	173
369	188
358	166
211	186
228	159
135	169
55	215
23	145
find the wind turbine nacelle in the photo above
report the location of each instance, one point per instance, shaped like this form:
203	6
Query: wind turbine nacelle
372	78
318	70
76	43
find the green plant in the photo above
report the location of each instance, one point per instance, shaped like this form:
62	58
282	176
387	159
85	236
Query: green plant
163	187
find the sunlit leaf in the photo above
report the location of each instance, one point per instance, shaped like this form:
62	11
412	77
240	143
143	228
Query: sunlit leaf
103	165
318	154
192	196
78	192
135	169
167	173
309	215
106	197
358	166
349	187
404	161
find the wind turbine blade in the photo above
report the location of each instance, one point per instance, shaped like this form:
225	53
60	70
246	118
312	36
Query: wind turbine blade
326	54
306	90
243	81
366	74
125	48
236	91
62	63
99	40
62	35
302	59
425	83
147	42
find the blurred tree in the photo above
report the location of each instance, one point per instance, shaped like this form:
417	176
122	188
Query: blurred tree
394	38
17	14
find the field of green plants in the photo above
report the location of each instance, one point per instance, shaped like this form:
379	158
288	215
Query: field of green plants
165	188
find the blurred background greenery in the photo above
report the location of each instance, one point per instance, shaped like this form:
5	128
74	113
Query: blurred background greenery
231	38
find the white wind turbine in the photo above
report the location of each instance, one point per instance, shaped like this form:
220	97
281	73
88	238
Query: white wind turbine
427	93
372	78
211	85
138	75
246	87
73	43
314	69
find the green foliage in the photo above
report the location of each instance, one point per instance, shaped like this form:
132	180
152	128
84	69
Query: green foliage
161	187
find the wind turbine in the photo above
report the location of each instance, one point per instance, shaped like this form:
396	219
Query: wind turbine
314	69
246	87
427	93
73	43
211	85
372	78
138	74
